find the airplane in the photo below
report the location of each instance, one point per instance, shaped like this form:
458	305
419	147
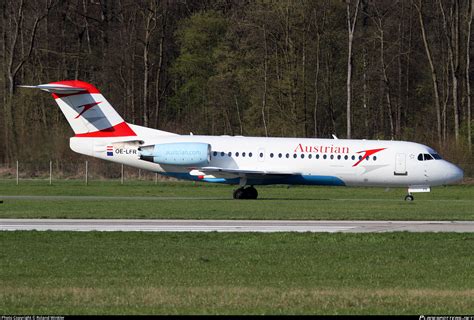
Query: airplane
99	131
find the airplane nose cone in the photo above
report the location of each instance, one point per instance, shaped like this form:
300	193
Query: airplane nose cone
454	174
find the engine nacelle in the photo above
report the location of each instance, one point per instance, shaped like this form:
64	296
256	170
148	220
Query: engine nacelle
178	154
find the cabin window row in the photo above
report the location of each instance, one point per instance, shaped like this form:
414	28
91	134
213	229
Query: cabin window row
295	156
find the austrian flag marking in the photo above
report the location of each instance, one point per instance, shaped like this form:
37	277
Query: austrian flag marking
110	151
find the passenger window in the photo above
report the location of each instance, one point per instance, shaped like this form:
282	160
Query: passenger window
310	156
271	155
250	154
261	154
230	154
317	156
215	153
374	158
353	157
324	157
302	156
287	155
339	157
294	155
332	156
236	154
243	154
346	157
368	157
279	155
222	154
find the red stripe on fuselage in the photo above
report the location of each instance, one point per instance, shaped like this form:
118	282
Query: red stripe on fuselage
119	130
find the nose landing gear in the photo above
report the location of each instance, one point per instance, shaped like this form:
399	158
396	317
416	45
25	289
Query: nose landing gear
413	189
246	193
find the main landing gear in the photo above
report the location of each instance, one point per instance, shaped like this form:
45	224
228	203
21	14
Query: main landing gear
409	197
246	193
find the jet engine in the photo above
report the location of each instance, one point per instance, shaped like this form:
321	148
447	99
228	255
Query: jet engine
178	154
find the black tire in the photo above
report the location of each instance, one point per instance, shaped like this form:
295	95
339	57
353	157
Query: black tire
409	197
251	193
239	193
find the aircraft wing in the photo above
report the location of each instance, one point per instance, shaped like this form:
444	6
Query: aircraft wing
233	173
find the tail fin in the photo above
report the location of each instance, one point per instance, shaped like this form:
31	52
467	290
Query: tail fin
86	109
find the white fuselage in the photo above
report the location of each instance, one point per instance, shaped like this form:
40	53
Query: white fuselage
310	161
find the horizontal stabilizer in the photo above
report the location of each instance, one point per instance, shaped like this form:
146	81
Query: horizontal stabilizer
57	88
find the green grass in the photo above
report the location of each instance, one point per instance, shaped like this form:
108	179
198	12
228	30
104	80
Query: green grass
233	273
228	273
187	200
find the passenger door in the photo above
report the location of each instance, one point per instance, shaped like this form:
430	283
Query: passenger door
400	165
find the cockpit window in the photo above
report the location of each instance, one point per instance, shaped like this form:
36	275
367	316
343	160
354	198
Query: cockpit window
427	156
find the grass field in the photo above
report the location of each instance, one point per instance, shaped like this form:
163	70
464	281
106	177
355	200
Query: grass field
233	273
187	200
212	273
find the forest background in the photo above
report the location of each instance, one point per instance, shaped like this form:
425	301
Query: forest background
358	69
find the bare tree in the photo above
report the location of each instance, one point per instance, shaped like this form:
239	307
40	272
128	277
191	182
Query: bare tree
451	33
378	20
15	62
319	32
469	18
265	80
159	93
351	23
13	66
434	77
150	26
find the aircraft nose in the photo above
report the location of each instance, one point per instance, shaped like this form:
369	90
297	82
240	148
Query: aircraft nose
453	173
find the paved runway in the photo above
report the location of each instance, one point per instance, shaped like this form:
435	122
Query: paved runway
234	225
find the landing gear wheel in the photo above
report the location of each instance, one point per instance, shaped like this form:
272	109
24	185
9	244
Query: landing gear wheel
251	193
245	193
409	197
239	193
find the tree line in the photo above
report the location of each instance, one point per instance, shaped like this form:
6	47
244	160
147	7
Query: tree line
372	69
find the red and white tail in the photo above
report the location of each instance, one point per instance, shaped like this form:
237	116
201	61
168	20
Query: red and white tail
86	109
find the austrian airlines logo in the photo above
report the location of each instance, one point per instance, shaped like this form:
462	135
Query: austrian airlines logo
367	154
87	107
